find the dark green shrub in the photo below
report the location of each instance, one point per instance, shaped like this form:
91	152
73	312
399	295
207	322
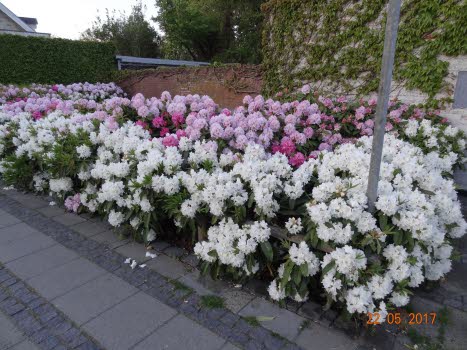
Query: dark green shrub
52	60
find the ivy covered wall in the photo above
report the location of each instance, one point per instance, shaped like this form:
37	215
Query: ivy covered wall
337	45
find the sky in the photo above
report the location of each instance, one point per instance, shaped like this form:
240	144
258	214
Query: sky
68	18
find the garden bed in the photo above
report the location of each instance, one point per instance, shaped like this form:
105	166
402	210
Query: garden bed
271	188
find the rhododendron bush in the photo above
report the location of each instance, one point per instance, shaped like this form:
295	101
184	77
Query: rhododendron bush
272	189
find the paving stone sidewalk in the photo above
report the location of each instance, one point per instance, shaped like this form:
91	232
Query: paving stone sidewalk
86	284
76	265
11	337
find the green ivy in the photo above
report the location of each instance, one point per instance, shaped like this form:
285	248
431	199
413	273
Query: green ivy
51	60
340	41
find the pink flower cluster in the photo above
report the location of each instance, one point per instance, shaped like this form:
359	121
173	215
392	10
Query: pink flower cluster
300	128
40	100
72	203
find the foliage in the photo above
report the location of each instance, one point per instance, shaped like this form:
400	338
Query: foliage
212	30
132	35
335	43
50	60
212	302
236	181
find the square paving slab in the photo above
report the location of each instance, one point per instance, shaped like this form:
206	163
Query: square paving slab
41	261
17	248
8	219
89	300
179	333
129	322
62	279
14	232
284	322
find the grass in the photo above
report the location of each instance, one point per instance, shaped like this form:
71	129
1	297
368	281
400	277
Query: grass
305	324
252	321
424	342
278	336
180	286
212	302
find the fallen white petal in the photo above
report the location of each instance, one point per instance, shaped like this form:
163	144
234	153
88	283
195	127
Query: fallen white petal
151	255
127	261
142	266
133	264
52	203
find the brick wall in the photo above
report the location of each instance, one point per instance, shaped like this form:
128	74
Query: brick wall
226	85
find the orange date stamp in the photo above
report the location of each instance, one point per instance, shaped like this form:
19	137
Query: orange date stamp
374	318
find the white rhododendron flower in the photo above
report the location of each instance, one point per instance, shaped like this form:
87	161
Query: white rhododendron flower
294	225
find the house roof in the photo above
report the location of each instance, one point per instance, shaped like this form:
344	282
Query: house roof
16	19
29	20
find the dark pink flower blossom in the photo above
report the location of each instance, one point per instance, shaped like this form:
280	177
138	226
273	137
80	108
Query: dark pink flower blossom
158	122
287	147
164	131
142	124
297	159
170	141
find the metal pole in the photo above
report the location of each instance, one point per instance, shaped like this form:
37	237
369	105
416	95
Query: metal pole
384	89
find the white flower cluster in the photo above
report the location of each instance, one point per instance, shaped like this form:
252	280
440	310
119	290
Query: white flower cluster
299	256
126	174
231	244
419	204
441	139
294	226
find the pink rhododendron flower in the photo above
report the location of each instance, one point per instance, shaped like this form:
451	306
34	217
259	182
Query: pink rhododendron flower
37	115
142	124
287	147
143	111
297	160
325	147
164	131
180	133
178	119
72	203
158	122
170	141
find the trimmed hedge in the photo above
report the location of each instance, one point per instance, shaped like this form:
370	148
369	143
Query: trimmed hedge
52	60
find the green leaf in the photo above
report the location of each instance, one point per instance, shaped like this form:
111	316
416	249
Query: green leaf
383	221
304	269
250	262
147	218
267	250
296	275
291	204
251	199
397	236
264	318
287	271
430	193
329	267
205	268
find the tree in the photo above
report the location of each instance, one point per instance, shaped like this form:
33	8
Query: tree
132	35
212	30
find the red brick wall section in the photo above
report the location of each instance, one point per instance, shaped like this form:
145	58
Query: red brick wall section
226	85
